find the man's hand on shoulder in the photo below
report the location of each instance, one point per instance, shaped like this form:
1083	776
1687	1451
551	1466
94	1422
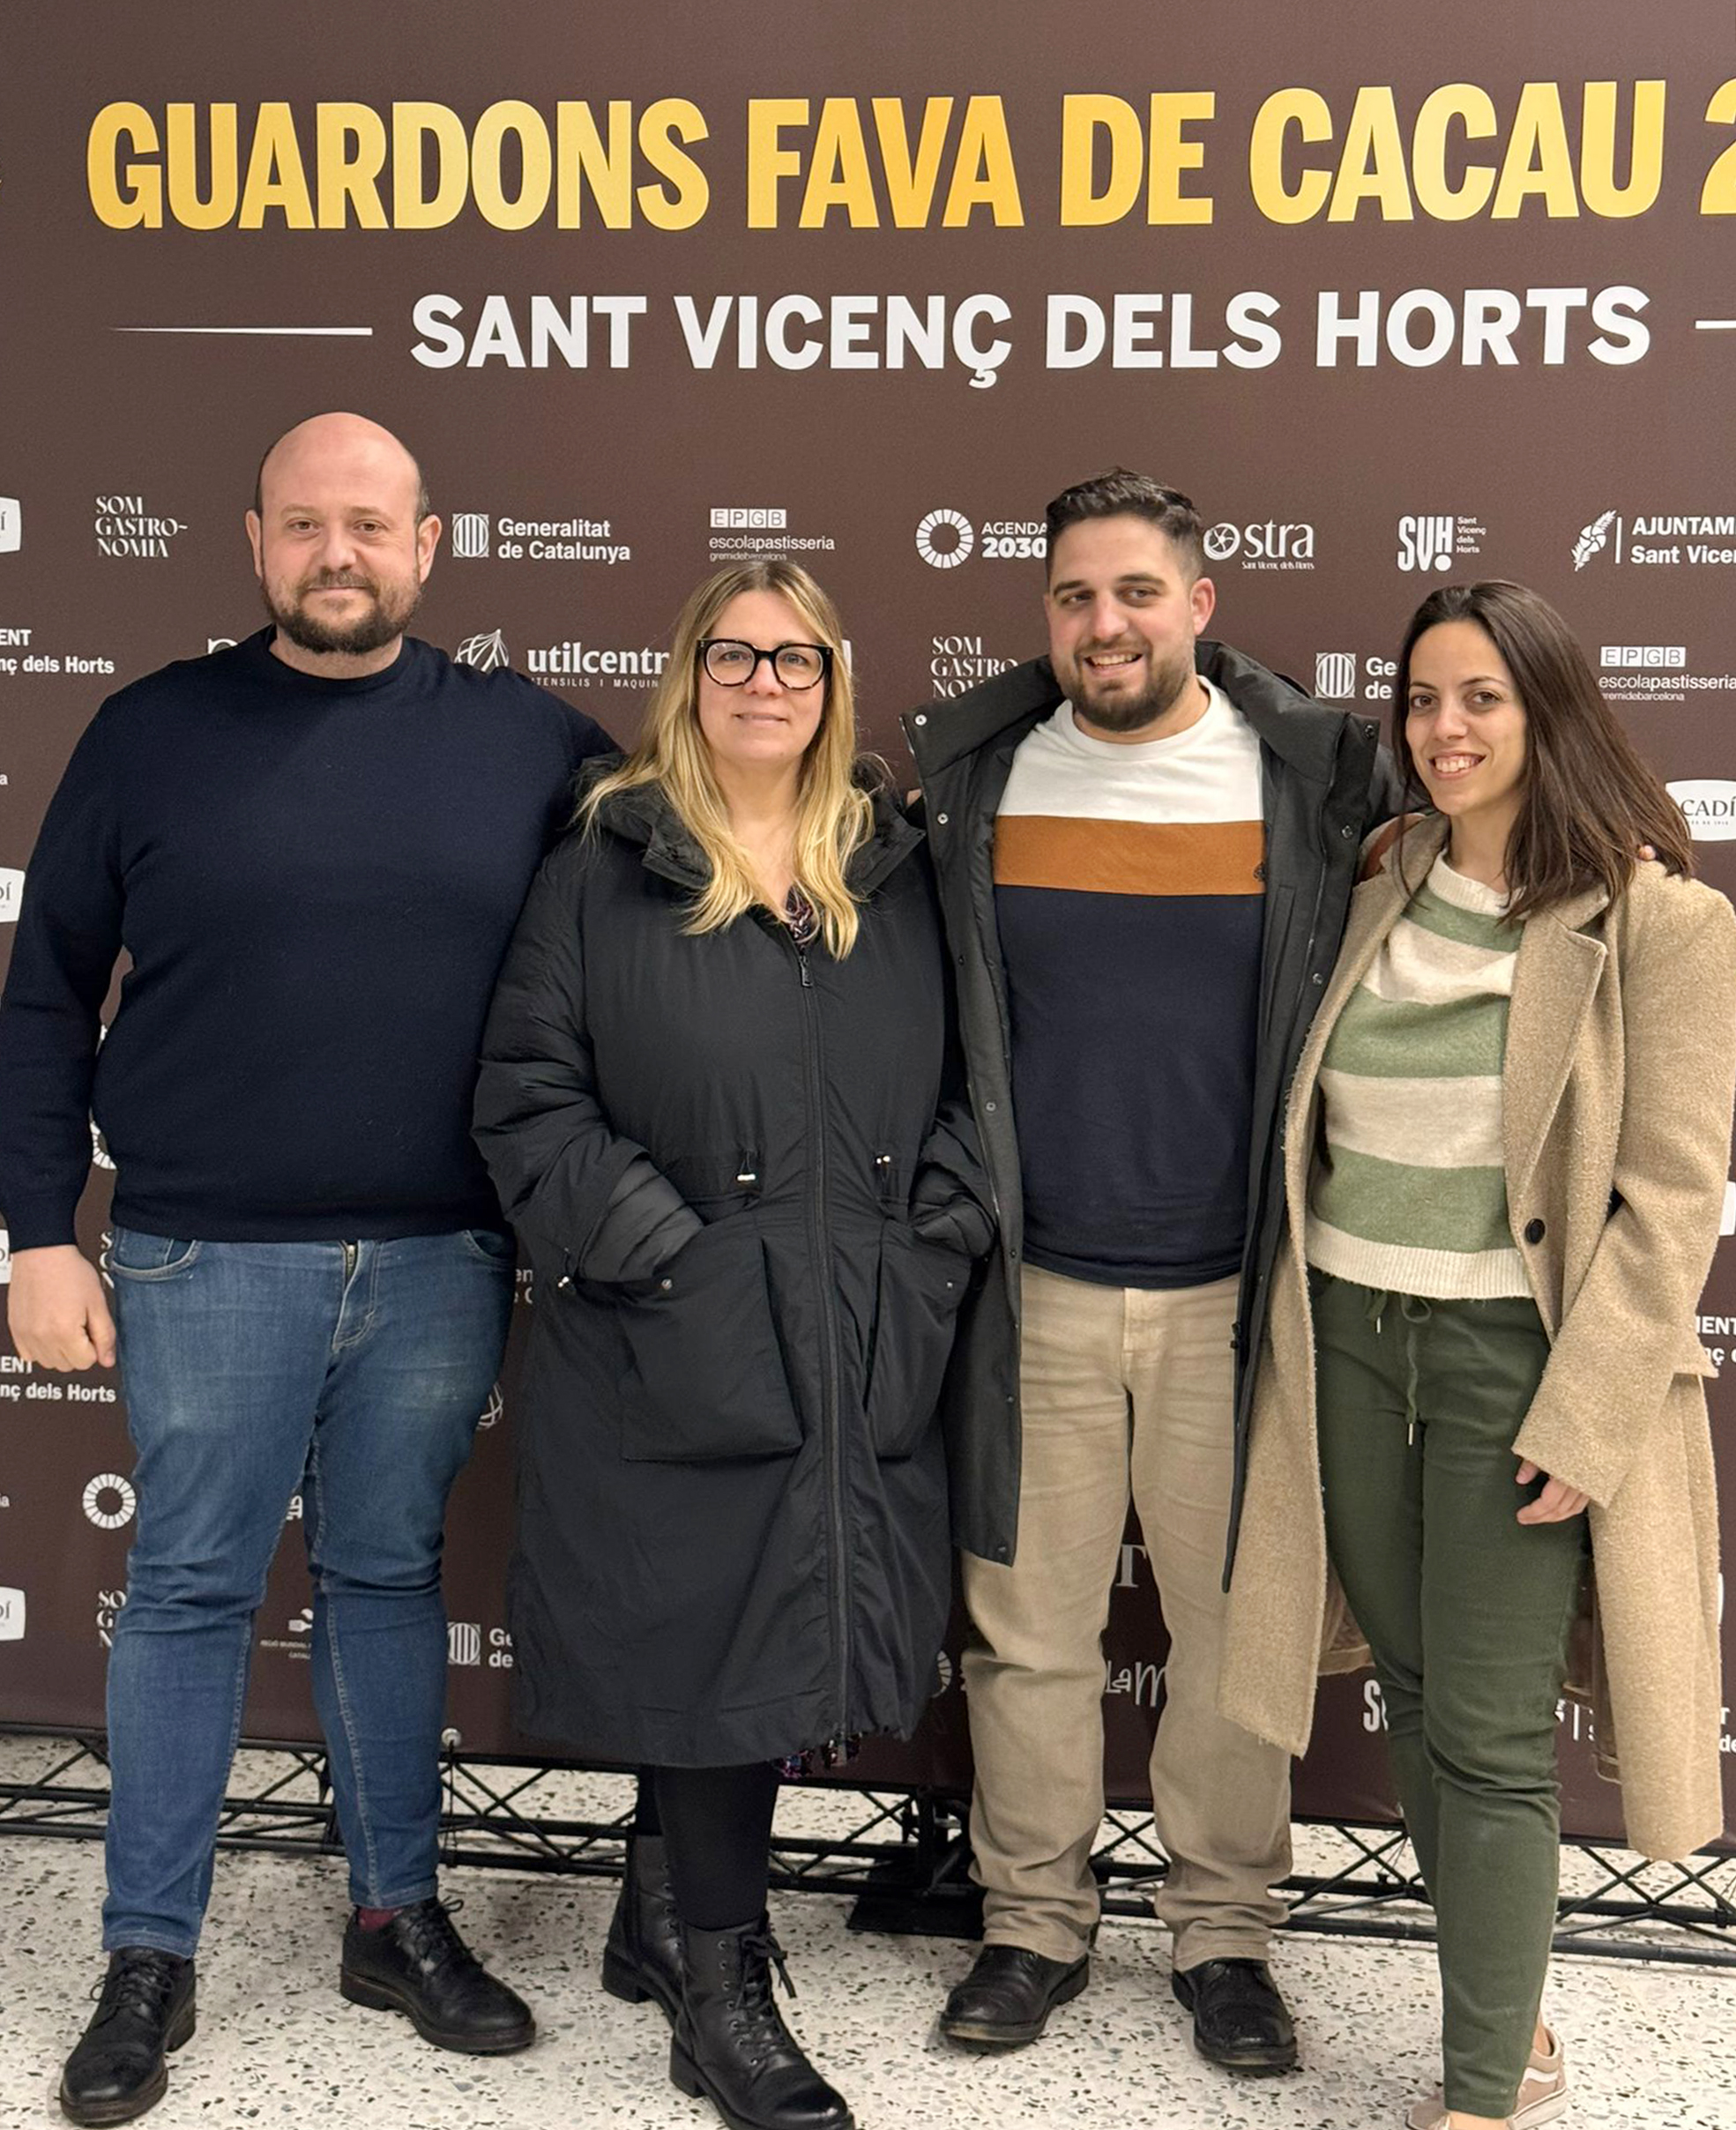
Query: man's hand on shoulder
57	1310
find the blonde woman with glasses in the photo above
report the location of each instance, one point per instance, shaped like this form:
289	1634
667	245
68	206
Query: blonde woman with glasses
720	1098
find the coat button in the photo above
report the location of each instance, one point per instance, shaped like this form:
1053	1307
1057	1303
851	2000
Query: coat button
941	819
920	720
1320	976
1347	832
668	1286
1534	1230
989	1108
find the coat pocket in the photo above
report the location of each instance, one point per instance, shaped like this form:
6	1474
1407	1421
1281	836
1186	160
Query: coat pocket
705	1376
916	1310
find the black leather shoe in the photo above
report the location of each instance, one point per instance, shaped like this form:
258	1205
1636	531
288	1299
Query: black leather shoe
1006	1999
143	2010
731	2045
1240	2019
643	1956
419	1965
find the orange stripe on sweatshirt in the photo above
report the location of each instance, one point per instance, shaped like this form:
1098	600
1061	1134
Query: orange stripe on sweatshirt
1128	857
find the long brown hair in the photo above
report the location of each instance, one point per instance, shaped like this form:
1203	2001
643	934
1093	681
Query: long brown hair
1589	800
834	813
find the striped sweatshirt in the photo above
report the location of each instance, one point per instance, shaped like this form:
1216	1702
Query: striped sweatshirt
1408	1191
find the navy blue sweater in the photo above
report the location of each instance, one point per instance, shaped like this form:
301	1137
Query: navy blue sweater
316	881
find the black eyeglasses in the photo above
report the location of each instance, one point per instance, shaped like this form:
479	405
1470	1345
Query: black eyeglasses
733	664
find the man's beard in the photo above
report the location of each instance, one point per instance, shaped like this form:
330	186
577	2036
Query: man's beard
392	604
1118	709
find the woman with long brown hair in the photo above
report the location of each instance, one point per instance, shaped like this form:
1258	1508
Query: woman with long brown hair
1481	1403
721	1101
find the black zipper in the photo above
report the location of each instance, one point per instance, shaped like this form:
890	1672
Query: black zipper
819	1230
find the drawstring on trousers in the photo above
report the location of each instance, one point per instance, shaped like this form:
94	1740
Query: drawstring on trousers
1415	1312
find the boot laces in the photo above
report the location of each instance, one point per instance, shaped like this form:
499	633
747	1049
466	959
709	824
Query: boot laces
139	1987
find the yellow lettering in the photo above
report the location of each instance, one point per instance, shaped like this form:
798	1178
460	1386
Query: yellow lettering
275	177
349	182
183	144
413	124
581	160
1172	153
768	158
1538	163
838	174
536	164
683	200
1083	118
1306	110
1459	103
911	180
983	176
1645	157
1372	165
131	199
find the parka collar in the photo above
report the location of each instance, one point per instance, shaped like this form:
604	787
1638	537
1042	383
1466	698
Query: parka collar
645	818
1302	732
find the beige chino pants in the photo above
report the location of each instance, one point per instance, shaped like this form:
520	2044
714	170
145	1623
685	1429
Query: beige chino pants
1124	1391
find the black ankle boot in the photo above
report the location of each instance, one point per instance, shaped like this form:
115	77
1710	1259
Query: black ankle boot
732	2046
643	1957
145	2009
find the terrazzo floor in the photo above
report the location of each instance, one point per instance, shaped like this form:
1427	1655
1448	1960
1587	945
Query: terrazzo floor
1649	2045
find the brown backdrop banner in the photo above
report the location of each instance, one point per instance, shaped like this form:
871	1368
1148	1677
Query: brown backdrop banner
650	290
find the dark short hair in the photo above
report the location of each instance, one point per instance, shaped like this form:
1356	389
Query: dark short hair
1122	493
423	506
1589	797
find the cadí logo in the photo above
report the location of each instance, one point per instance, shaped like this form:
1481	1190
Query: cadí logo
1709	807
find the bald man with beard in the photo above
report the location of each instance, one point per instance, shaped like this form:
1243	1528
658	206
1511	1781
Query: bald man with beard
313	845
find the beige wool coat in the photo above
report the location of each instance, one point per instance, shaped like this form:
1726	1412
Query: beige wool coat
1617	1088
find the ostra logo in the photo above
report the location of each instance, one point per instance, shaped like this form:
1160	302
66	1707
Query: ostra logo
1266	545
1709	807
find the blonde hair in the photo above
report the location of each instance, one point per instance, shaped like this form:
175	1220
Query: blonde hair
834	814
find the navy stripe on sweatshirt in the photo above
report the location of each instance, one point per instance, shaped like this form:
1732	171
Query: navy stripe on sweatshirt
316	882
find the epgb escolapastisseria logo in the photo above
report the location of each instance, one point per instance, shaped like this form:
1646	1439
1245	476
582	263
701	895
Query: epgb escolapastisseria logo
11	525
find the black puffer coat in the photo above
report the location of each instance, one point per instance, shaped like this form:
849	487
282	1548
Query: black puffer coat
732	1517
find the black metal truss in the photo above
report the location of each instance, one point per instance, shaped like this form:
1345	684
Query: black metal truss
905	1858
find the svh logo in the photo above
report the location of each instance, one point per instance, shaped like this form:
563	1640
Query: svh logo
735	520
110	1500
486	653
1426	543
11	525
1335	676
1709	807
1658	658
470	534
464	1643
958	538
11	1616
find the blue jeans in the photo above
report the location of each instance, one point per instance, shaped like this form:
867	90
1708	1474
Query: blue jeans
356	1372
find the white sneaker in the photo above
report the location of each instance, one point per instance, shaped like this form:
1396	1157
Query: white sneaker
1542	2095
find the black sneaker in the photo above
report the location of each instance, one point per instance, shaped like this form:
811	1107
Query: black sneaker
143	2009
418	1965
1006	1999
1240	2019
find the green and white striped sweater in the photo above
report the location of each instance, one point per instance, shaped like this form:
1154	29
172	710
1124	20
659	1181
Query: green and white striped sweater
1408	1191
